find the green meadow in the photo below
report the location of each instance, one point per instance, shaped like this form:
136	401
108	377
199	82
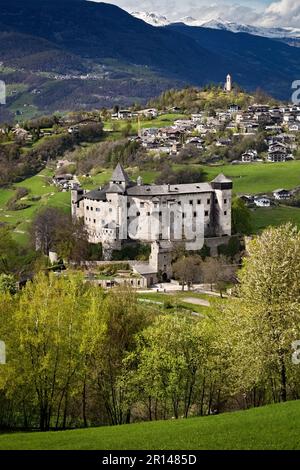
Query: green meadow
275	427
38	187
258	178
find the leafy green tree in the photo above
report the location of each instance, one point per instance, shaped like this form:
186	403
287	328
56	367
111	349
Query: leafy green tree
54	325
241	217
267	315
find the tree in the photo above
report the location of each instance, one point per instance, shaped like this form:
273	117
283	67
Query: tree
124	319
270	294
54	230
241	217
9	252
54	324
177	368
218	271
188	270
170	176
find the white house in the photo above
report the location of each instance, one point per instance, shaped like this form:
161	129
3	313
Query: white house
262	201
282	194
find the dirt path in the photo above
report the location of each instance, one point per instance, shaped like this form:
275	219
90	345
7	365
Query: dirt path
195	301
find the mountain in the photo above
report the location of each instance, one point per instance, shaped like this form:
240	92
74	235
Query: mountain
70	54
272	33
253	60
287	34
151	18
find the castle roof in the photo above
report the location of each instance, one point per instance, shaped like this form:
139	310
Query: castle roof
115	188
171	190
120	174
96	195
221	179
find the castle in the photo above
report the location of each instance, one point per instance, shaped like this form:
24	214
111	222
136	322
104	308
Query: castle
161	215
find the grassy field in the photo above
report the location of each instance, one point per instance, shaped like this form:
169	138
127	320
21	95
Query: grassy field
179	301
275	216
275	427
163	120
38	187
259	178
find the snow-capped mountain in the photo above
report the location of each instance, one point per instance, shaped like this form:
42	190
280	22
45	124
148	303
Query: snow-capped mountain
151	18
276	33
219	23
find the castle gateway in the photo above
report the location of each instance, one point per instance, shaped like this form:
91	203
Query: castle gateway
123	210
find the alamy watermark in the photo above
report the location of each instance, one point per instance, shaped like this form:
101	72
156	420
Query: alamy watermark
166	221
2	92
296	94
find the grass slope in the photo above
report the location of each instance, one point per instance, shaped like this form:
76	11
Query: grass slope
20	221
274	427
258	177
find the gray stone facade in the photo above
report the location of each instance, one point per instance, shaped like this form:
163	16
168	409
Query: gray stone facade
185	213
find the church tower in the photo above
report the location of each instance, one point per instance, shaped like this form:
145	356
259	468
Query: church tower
228	85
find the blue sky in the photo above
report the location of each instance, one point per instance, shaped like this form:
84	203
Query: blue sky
259	12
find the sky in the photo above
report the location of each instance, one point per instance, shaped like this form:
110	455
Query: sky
256	12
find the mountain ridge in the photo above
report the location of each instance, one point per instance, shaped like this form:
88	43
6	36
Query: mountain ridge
218	23
82	54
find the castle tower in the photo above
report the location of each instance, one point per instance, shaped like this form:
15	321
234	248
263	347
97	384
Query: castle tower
120	177
228	85
161	259
223	198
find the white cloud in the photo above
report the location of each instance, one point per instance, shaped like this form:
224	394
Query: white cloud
283	13
258	12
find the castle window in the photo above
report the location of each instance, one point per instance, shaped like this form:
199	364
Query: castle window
199	202
216	201
138	214
142	204
94	221
92	208
97	210
191	203
208	201
183	215
148	214
160	213
87	208
179	203
206	213
128	204
225	201
195	214
225	213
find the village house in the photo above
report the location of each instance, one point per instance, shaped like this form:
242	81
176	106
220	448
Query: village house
250	156
262	201
282	194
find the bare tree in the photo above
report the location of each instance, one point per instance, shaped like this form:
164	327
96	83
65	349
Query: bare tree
188	270
218	272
